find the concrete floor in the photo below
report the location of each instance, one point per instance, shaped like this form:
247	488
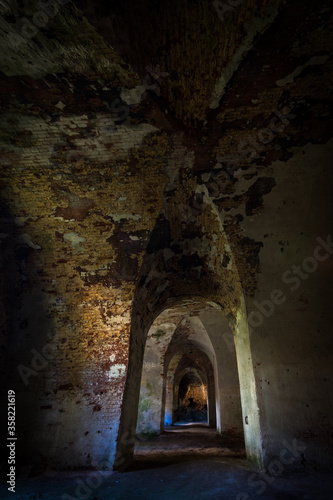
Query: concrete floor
188	441
180	464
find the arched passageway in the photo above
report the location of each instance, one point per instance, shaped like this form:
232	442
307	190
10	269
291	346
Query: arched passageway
177	341
189	374
197	373
190	397
189	285
188	345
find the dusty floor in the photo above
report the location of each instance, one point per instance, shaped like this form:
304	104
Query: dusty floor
191	463
188	441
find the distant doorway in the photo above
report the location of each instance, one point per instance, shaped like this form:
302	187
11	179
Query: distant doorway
192	400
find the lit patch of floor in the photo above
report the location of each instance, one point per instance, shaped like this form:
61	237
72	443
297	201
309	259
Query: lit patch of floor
184	441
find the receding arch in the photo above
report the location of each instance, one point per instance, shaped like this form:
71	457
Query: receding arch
240	332
176	368
190	396
189	263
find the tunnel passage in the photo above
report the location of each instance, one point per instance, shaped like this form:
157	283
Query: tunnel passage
175	343
190	387
189	324
189	372
189	401
192	399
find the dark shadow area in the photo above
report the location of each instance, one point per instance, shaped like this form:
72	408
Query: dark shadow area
24	325
200	479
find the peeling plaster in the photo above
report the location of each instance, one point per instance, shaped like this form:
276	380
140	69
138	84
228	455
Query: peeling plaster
133	96
75	240
116	371
119	217
316	60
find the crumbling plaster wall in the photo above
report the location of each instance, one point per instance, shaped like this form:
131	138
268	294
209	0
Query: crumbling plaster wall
296	268
275	112
284	161
66	275
72	238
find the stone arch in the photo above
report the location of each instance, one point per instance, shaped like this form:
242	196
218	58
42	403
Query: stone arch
189	261
190	385
250	410
187	374
205	371
170	334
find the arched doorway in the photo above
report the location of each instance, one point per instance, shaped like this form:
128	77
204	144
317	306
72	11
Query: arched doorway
189	374
190	397
189	263
206	315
